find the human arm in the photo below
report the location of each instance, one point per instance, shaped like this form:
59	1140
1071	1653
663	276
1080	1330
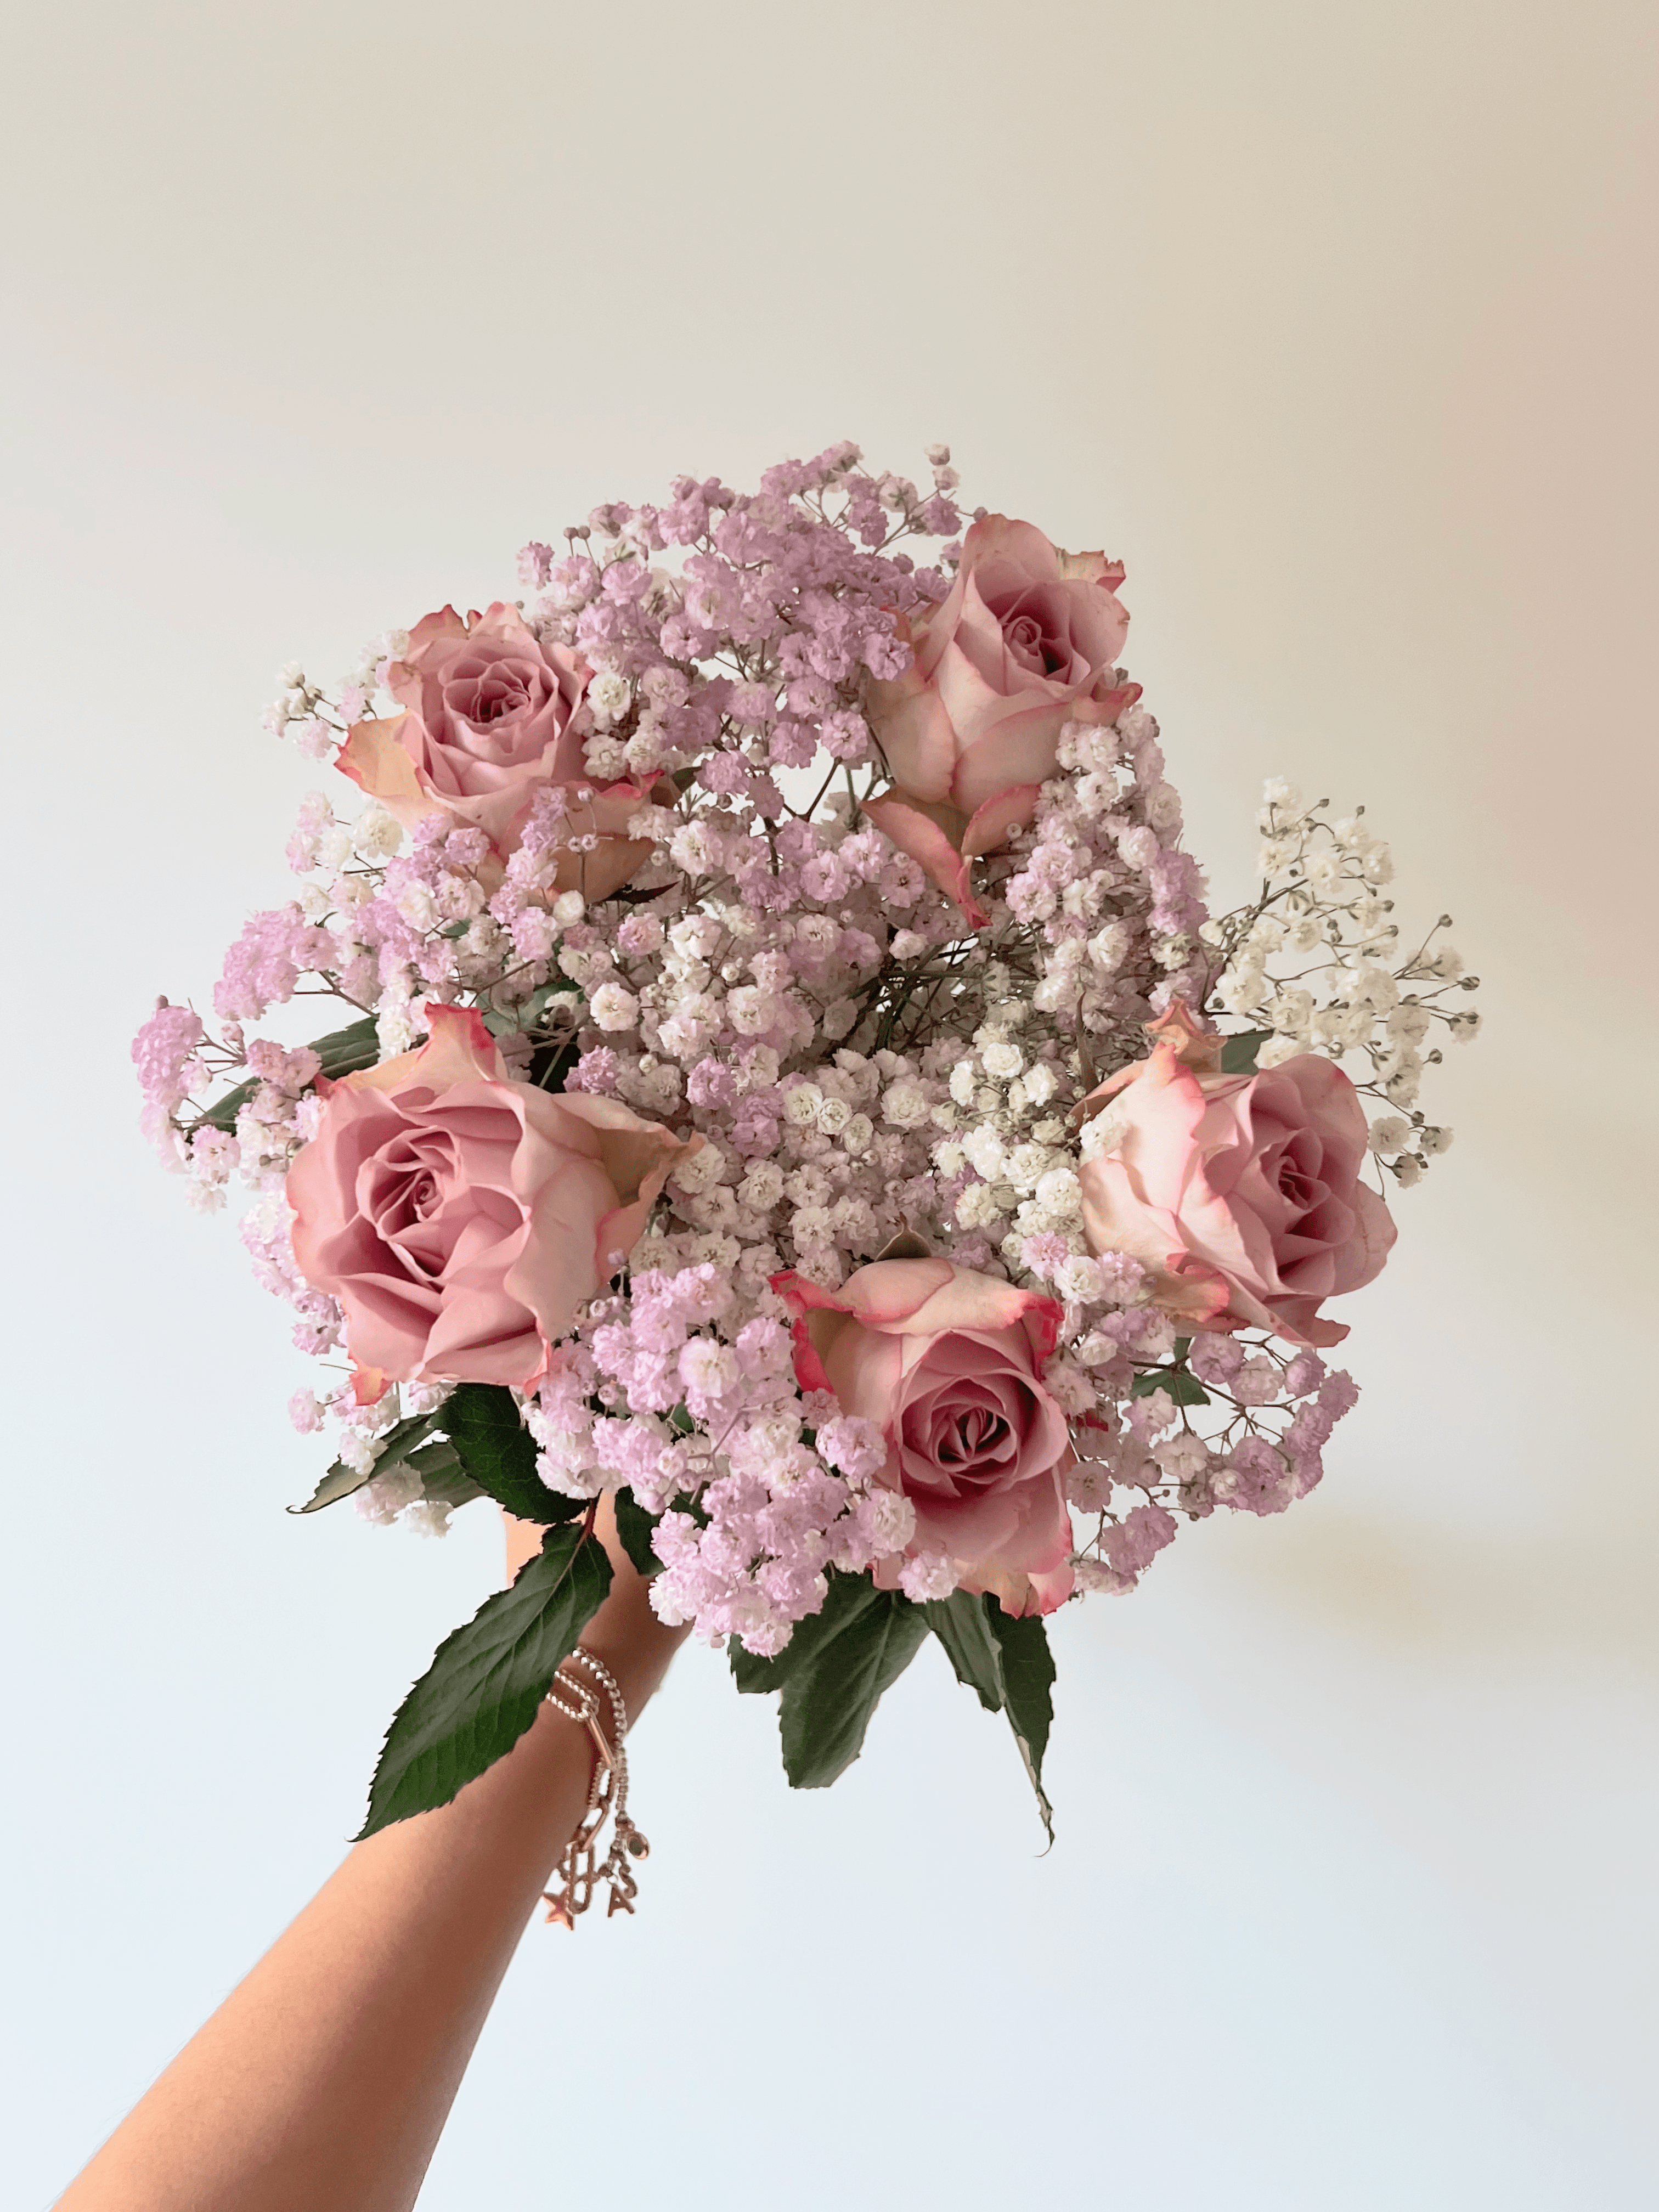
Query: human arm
323	2081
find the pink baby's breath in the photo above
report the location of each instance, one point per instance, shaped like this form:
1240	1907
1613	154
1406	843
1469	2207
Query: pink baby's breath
867	1050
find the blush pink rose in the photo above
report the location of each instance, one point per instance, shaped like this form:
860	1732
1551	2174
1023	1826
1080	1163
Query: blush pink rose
1026	641
1239	1194
487	722
460	1217
949	1366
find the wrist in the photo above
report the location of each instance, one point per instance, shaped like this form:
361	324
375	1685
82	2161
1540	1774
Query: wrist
624	1633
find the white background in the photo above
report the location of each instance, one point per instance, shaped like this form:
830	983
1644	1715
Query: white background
1336	323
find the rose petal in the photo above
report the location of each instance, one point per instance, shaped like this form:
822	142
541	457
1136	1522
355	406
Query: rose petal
929	835
378	764
1239	1194
460	1217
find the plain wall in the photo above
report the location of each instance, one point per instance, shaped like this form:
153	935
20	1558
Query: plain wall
1337	323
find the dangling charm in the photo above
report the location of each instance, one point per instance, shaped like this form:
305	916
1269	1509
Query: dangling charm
580	1869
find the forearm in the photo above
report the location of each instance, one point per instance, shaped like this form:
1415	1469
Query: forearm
325	2079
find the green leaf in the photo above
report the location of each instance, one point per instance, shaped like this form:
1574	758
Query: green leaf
827	1703
443	1479
848	1596
496	1450
635	1527
1238	1053
754	1676
341	1480
1184	1388
486	1682
1028	1679
342	1053
222	1115
961	1626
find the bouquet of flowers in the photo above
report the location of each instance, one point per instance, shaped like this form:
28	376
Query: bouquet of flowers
787	1077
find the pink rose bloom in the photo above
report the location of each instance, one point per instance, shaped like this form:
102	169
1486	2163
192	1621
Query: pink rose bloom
948	1364
460	1217
1025	642
1239	1194
487	723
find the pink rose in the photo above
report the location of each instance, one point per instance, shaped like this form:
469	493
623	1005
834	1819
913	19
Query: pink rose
1241	1194
487	723
948	1364
1025	642
460	1217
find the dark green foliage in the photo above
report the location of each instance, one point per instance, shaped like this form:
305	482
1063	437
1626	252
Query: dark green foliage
341	1480
1238	1053
487	1431
635	1526
832	1673
489	1453
826	1704
1028	1681
444	1480
1183	1387
849	1596
960	1624
342	1053
1006	1663
485	1682
837	1665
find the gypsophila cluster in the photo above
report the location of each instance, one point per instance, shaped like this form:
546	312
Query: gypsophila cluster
776	978
1317	961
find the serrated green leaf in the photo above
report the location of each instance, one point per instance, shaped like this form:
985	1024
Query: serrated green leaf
636	1526
341	1480
486	1682
960	1625
1183	1387
826	1704
1028	1681
848	1596
1238	1053
487	1431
